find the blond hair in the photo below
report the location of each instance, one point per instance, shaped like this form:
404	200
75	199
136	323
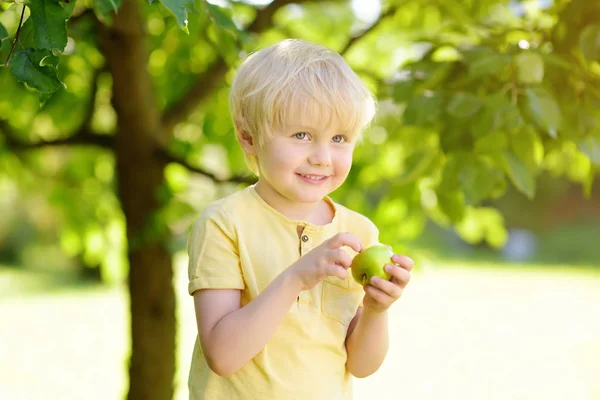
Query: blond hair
294	82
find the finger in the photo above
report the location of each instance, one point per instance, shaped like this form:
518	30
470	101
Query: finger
388	287
345	239
340	257
399	275
405	262
379	295
338	271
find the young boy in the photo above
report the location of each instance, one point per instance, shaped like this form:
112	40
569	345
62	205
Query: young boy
279	315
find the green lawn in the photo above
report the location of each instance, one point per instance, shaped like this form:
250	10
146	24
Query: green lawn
458	333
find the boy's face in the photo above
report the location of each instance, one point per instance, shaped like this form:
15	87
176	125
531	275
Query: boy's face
303	164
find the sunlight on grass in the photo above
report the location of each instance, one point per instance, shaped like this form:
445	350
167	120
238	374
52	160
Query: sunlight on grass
458	333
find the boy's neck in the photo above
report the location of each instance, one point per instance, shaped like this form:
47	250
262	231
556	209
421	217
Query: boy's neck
320	213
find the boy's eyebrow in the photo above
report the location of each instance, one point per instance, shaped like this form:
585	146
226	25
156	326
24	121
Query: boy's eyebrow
309	128
297	127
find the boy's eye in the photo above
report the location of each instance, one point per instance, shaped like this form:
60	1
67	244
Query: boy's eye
339	139
301	135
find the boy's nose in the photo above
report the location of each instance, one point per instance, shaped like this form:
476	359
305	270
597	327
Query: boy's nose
321	156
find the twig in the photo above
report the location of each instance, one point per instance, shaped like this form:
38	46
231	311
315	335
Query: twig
168	157
16	37
390	11
82	137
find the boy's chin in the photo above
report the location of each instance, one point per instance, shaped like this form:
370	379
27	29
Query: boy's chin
311	196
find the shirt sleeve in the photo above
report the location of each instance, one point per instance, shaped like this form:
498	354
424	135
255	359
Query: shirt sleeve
214	261
371	235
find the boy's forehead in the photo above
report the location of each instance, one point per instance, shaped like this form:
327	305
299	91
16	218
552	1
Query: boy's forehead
314	118
316	128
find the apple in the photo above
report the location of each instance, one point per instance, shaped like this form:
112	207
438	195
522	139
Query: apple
371	262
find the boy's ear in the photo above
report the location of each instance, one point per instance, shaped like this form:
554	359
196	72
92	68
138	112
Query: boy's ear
247	142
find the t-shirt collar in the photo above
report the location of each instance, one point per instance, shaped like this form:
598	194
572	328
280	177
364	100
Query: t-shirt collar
290	221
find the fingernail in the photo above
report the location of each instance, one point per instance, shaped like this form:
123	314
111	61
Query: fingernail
389	267
410	259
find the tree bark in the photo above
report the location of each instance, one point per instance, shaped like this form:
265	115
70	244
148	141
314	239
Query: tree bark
140	175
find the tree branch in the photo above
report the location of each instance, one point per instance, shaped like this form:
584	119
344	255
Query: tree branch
211	79
167	157
204	87
82	137
14	44
91	106
264	17
389	12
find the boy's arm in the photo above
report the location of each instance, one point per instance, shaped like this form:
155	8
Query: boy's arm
367	339
231	336
366	342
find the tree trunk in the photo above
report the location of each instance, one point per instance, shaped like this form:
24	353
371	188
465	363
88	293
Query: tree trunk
140	175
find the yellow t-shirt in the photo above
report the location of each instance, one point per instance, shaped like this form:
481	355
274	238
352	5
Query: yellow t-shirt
240	242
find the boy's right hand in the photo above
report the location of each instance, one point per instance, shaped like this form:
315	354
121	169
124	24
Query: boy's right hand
327	259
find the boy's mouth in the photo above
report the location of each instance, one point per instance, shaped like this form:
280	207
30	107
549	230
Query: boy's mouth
312	178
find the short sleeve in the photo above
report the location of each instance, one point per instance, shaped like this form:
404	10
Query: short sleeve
371	235
213	253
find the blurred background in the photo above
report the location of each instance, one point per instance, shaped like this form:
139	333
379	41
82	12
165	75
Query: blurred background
480	165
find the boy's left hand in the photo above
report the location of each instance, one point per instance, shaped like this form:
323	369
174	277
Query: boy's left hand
381	294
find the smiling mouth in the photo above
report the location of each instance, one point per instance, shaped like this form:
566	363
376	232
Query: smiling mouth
315	178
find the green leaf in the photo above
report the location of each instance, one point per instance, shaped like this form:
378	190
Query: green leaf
180	9
424	109
49	24
483	223
480	180
106	7
5	44
464	105
528	146
438	74
590	146
511	117
492	118
543	110
403	91
492	143
521	176
26	66
530	68
452	204
27	35
3	32
225	33
220	16
416	164
488	64
589	42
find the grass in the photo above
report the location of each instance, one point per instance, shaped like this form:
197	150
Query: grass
458	333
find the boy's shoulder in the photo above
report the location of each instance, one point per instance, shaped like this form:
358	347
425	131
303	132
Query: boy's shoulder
225	207
355	219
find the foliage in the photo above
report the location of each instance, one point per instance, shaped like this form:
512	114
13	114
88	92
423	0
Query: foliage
114	128
473	95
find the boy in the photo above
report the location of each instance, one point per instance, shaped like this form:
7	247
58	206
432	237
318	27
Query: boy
279	315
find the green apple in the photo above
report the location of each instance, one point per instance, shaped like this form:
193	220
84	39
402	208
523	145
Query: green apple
371	262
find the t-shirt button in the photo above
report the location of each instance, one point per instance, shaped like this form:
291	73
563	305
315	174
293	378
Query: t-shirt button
304	238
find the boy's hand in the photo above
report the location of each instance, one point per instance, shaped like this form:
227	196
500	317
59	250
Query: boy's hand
327	259
381	294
